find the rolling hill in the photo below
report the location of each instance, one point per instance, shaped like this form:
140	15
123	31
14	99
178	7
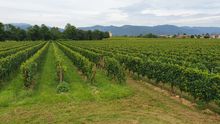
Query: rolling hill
159	30
132	30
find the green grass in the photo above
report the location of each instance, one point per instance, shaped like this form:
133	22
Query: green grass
103	102
145	106
103	89
46	83
13	92
109	90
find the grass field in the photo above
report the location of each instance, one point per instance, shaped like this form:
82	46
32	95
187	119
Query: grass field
105	102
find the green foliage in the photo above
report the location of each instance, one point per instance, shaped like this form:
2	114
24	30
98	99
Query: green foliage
92	56
34	33
72	33
60	67
199	84
63	87
12	62
215	86
114	69
10	32
150	35
1	32
55	33
188	65
83	64
25	45
112	66
45	33
30	67
131	63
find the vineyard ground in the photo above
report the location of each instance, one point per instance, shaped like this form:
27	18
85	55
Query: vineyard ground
105	102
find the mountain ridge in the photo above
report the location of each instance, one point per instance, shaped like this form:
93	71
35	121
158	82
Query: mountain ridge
134	30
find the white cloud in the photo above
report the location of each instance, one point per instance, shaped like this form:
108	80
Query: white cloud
113	16
198	20
167	12
111	12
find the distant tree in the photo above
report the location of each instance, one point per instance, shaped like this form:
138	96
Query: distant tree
10	32
207	36
45	32
34	33
97	35
150	35
174	36
106	35
141	35
70	32
21	34
81	35
89	35
192	36
55	33
199	36
1	32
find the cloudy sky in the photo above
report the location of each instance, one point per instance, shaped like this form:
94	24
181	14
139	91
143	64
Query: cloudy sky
111	12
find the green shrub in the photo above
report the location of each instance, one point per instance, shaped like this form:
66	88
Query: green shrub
63	87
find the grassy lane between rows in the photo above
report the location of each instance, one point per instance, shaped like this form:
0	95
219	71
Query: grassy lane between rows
9	94
46	83
79	89
103	89
13	93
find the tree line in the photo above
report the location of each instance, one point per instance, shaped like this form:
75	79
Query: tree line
150	35
10	32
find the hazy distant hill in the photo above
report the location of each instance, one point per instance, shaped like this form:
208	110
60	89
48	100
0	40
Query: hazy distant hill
137	30
22	25
26	26
160	29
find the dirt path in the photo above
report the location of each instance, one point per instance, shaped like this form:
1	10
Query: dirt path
143	85
149	95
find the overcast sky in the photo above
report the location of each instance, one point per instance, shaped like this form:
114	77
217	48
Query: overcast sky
111	12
